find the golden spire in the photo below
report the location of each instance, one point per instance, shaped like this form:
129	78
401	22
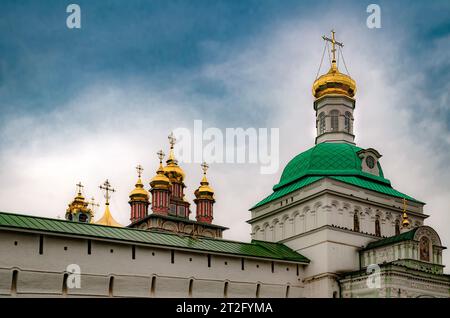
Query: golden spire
334	82
405	221
107	219
139	192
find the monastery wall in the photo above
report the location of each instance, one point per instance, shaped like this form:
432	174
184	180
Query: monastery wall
33	264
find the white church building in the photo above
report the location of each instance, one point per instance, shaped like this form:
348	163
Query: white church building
333	227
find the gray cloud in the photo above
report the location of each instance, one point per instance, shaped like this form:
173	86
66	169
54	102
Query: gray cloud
109	128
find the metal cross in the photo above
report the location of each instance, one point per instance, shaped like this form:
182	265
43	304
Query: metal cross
139	170
107	187
205	167
79	187
93	204
333	43
161	155
172	140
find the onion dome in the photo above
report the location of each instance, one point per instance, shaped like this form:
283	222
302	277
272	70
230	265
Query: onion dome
334	83
204	191
78	209
139	193
172	169
160	181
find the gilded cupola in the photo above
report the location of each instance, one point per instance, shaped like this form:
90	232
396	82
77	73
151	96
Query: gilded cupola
160	180
204	191
334	82
172	170
139	193
78	210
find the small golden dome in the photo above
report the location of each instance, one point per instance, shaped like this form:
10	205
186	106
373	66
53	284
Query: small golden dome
172	170
139	192
204	191
107	219
160	181
79	205
334	82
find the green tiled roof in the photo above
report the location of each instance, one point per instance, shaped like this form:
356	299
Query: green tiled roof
288	189
374	186
338	161
327	159
406	236
276	251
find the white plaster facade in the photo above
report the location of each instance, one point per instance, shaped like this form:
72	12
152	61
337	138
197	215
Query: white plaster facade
111	271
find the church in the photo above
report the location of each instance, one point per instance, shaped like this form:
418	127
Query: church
333	226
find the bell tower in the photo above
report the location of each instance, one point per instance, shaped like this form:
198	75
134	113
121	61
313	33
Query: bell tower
334	103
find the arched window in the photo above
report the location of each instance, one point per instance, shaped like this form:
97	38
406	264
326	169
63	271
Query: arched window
377	226
424	249
321	123
397	227
334	120
348	122
356	222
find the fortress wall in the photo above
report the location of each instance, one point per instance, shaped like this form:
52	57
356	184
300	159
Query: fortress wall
107	268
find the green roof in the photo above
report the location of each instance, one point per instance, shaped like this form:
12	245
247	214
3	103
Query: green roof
259	249
338	161
325	159
406	236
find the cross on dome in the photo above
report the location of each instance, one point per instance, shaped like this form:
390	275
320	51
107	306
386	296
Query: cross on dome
79	187
93	204
205	167
139	170
161	155
107	187
172	140
333	43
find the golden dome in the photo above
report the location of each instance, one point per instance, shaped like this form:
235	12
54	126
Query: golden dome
204	191
334	82
78	205
107	219
172	170
160	181
139	192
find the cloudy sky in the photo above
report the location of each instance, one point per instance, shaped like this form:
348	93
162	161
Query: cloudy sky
89	104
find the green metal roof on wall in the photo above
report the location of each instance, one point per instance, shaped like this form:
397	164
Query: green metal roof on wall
276	251
406	236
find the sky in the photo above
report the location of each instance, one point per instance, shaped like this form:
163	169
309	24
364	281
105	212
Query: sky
91	103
